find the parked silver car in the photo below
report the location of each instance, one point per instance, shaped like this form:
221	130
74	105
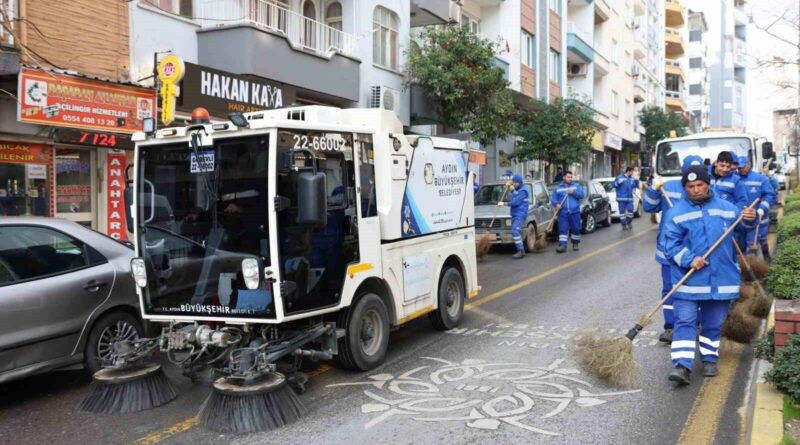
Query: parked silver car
540	212
66	294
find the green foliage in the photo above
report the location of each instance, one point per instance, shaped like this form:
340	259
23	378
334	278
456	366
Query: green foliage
785	374
783	279
456	69
791	207
794	197
764	347
658	123
791	411
787	440
559	132
788	227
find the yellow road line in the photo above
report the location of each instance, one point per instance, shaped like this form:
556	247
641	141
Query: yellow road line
166	433
567	265
701	425
160	435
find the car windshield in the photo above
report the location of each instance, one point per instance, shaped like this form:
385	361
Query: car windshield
607	185
490	194
670	155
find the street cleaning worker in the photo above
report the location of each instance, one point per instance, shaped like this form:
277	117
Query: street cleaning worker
756	185
692	226
655	202
518	205
569	217
625	185
725	182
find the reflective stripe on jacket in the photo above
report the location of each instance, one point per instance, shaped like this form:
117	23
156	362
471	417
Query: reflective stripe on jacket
519	200
731	189
655	202
573	202
757	185
625	187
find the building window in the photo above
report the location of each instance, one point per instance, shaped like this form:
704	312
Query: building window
673	83
333	16
695	89
614	51
555	67
528	50
472	24
696	62
555	6
177	7
384	38
695	36
614	103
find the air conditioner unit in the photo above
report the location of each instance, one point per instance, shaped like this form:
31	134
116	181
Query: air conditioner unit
577	69
383	97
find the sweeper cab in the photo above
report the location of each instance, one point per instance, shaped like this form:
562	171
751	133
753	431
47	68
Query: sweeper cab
290	234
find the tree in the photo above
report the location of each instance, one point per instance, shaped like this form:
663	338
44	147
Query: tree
558	133
658	123
456	69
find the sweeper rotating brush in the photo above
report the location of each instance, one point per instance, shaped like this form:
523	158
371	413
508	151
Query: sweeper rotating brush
129	390
241	406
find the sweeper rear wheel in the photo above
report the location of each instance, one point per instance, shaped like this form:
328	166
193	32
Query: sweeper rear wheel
451	300
241	406
128	390
366	339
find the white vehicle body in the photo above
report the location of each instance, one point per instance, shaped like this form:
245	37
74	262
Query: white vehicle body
612	197
423	221
671	152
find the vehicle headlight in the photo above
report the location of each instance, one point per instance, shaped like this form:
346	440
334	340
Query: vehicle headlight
250	272
507	222
139	272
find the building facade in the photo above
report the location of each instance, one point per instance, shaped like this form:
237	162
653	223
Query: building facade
674	52
786	136
698	82
649	70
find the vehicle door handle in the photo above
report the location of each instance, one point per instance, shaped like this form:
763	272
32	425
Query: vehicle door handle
94	286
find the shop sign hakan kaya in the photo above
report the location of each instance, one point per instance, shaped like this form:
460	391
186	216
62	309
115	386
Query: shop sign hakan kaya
221	92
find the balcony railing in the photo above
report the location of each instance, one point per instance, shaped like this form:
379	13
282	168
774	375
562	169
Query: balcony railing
9	9
582	34
301	31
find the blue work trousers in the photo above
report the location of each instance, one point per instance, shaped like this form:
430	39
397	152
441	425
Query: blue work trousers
685	339
625	212
666	286
569	227
517	223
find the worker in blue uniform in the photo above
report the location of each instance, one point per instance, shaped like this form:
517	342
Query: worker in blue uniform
518	203
725	182
693	225
567	201
654	202
757	186
625	184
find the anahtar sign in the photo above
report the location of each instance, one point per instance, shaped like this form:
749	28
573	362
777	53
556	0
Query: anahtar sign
221	92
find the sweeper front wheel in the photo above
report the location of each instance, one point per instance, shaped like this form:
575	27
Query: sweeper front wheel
451	300
366	339
241	406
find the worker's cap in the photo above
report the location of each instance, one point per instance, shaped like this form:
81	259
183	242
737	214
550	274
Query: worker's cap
688	161
517	178
743	160
695	173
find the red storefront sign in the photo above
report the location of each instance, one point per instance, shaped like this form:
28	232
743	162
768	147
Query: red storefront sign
24	153
67	101
115	168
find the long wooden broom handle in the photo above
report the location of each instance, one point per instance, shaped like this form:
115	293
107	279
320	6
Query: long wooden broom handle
666	196
749	269
692	270
494	216
754	246
556	212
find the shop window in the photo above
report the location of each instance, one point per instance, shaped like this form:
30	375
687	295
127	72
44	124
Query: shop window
74	174
25	187
34	252
384	38
333	16
177	7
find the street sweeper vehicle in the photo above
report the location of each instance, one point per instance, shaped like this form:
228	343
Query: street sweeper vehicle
284	235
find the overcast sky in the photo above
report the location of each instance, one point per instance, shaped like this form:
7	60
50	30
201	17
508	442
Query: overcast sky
763	92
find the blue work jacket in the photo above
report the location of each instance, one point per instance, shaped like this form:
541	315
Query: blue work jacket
758	186
731	189
689	231
655	202
625	187
519	201
573	202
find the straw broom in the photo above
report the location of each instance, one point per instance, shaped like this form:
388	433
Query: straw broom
484	240
541	238
611	359
761	299
758	264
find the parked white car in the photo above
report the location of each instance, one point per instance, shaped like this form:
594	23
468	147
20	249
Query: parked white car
608	185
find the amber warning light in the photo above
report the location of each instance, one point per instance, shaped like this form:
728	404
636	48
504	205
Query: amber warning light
200	116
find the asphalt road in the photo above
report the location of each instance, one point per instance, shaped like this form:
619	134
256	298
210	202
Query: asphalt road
504	376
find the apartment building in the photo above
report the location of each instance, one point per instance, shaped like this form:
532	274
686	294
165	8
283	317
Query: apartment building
649	70
726	41
675	50
697	58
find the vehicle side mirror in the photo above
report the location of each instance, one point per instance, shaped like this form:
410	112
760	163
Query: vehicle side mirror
128	198
766	150
311	199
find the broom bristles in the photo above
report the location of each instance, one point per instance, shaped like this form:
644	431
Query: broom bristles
483	245
759	266
740	326
232	413
541	243
149	391
746	292
759	305
609	359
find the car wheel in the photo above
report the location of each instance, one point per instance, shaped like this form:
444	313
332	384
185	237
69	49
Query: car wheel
607	221
366	338
637	212
110	328
451	300
589	225
530	239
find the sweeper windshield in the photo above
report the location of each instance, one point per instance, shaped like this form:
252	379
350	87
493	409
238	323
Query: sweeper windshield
201	211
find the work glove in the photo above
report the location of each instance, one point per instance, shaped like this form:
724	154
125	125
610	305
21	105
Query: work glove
658	183
760	213
501	204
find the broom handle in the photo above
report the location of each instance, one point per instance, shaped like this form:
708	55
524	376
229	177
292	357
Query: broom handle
491	223
550	227
749	269
692	270
754	246
666	196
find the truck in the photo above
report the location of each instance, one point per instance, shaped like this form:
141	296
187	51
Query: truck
298	233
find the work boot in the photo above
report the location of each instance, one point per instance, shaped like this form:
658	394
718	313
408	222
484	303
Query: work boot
575	246
561	249
680	375
666	336
709	369
518	255
765	252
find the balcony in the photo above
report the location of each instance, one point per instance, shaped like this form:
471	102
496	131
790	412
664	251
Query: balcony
503	65
602	11
639	8
487	3
674	16
674	67
739	53
430	12
675	46
639	48
261	38
579	44
639	87
601	63
675	101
